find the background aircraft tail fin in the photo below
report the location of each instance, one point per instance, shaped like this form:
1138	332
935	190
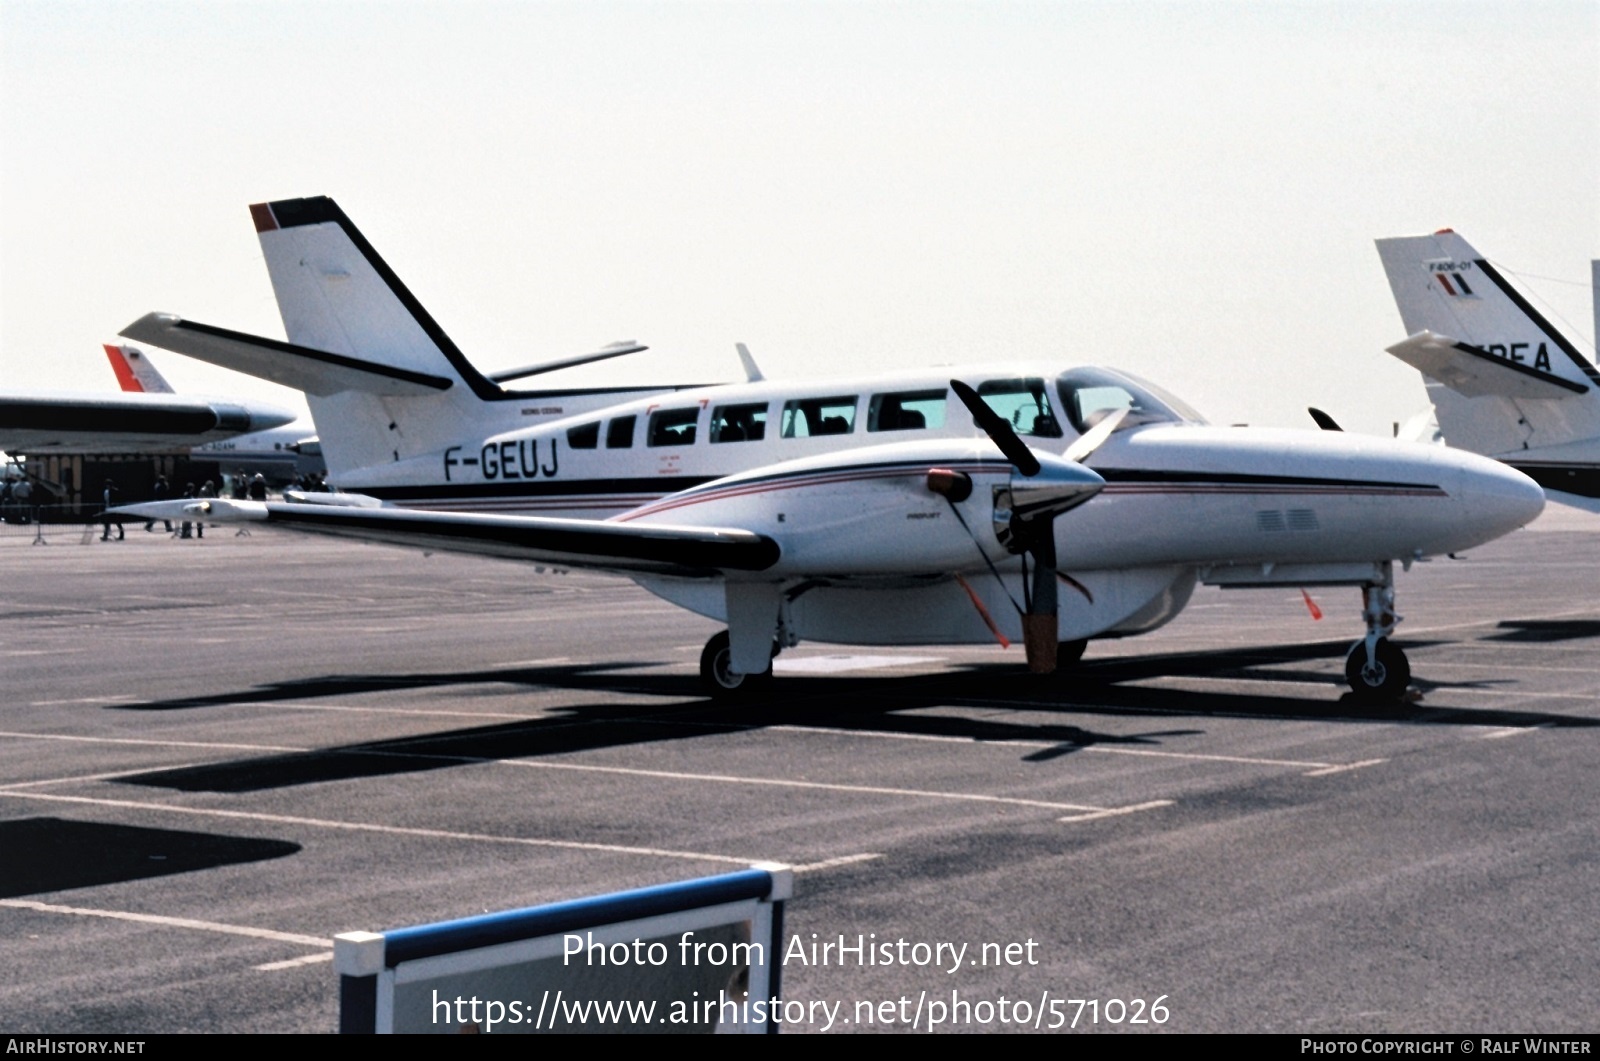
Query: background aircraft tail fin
1501	377
135	373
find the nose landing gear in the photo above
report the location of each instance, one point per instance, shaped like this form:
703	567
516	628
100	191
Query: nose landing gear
1375	668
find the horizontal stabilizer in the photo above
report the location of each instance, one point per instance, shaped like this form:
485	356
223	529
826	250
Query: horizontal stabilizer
1475	373
313	371
603	354
688	552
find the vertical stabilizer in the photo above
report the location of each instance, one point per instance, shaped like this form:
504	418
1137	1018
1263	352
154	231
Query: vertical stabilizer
1530	388
135	374
336	294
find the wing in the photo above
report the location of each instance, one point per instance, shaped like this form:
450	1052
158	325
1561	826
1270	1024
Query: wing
124	423
627	548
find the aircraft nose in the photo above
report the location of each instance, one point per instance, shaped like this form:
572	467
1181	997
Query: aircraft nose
1496	498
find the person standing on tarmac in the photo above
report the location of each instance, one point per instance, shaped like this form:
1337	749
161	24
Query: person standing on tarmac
109	496
159	492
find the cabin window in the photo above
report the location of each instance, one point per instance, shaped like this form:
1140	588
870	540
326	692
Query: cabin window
673	427
739	423
906	411
619	433
819	416
584	436
1024	404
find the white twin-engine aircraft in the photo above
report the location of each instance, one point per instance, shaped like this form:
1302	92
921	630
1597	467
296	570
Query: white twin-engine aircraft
870	510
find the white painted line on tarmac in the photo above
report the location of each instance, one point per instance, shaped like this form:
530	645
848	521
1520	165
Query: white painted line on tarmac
530	662
112	775
1112	812
84	700
831	863
1515	731
889	735
294	963
174	922
434	713
1514	694
1318	768
1329	771
373	827
155	743
871	790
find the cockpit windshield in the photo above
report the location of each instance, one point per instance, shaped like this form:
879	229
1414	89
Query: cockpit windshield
1089	394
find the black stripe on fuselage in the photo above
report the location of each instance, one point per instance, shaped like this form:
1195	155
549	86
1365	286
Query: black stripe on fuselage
1236	479
662	486
1538	318
1580	479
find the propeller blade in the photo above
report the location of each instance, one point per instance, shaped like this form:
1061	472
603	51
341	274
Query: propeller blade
999	432
1091	439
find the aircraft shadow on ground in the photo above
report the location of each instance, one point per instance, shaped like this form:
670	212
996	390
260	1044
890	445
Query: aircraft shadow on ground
57	854
879	703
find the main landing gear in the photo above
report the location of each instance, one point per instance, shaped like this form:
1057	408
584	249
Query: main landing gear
1375	668
720	681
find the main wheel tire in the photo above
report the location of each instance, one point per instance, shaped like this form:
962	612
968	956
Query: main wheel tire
717	676
1386	678
1070	652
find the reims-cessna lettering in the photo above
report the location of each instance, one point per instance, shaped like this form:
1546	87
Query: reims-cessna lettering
1503	381
865	510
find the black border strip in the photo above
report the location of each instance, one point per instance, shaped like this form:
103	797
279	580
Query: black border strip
1538	318
373	368
1526	370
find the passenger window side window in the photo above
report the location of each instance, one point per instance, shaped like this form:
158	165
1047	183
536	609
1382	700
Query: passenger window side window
673	427
739	423
906	411
806	417
584	436
619	433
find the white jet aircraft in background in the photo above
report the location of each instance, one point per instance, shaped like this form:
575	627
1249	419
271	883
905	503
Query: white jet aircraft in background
136	420
863	510
1503	381
278	453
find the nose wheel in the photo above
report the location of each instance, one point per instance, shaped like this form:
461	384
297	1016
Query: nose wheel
1375	668
1383	677
721	682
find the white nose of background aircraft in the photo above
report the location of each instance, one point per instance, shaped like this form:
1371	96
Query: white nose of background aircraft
1045	503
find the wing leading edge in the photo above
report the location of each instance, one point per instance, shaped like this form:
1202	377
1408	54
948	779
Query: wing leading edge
628	548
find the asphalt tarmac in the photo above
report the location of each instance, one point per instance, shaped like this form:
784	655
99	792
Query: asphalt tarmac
216	754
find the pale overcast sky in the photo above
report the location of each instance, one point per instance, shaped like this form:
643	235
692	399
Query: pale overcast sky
1187	190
